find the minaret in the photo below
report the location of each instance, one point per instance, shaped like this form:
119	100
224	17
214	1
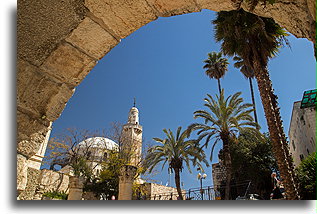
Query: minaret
131	147
131	137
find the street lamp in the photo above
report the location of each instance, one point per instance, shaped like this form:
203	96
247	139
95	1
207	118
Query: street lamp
201	177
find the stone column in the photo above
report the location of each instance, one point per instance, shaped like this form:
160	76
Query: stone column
76	185
22	172
126	178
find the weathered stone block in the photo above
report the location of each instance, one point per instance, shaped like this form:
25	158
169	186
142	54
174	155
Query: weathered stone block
58	102
216	5
31	134
176	7
299	23
53	181
76	185
28	125
68	64
32	182
311	4
122	16
92	38
22	170
42	24
30	146
36	92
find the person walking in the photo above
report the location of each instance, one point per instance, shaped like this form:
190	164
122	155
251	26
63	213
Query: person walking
277	194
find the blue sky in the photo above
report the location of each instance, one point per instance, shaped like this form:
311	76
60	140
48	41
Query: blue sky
161	65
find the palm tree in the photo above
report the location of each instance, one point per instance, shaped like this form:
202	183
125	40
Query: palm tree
225	118
216	67
175	151
249	74
255	40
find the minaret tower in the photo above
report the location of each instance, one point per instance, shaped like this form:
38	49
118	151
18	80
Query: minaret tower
131	137
131	147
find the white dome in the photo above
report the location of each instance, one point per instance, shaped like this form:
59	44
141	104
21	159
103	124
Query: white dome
134	109
98	142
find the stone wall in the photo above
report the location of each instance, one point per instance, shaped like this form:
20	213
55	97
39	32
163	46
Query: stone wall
302	132
53	181
59	42
48	181
218	173
32	183
155	191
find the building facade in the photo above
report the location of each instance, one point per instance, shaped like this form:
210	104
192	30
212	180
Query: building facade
302	130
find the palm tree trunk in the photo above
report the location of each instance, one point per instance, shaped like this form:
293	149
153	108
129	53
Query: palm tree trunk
253	100
177	182
277	135
219	86
289	158
228	164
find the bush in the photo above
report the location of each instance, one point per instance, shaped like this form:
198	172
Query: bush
56	194
306	172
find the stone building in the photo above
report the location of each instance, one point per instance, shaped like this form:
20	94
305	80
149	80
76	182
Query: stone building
131	137
302	130
218	177
131	142
96	149
155	191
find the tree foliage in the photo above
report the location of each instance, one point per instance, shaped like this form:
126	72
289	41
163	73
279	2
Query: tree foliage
216	66
256	39
306	173
175	150
64	150
224	119
253	160
225	116
67	149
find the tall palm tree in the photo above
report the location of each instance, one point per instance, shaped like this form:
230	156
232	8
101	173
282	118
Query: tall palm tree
256	39
224	119
249	74
216	67
175	151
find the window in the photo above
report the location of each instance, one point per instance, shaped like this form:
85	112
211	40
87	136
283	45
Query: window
301	157
293	144
105	156
307	151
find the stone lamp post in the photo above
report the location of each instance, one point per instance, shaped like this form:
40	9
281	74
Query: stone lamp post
126	179
76	185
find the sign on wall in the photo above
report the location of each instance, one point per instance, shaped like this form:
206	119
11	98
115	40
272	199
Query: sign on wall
309	99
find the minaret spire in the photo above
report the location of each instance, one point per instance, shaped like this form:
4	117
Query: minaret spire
134	102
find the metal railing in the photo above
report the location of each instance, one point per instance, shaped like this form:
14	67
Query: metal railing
204	193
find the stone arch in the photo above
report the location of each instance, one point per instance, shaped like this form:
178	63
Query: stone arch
60	41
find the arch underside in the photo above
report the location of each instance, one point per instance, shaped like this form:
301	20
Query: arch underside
60	41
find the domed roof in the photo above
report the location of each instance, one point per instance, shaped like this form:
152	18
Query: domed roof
98	142
134	109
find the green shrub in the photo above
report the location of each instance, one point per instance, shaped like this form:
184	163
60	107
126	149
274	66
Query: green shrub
306	173
56	194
